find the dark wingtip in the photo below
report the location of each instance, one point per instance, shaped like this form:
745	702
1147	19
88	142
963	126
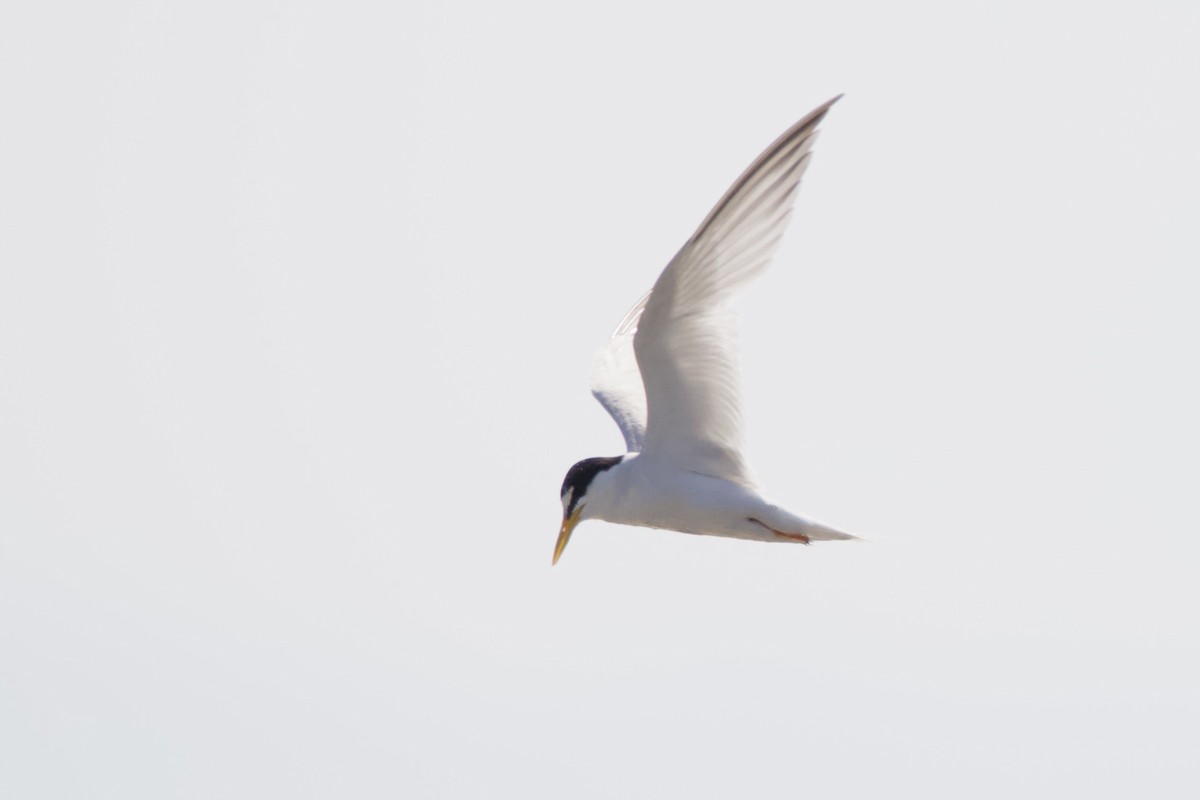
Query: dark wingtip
798	132
820	111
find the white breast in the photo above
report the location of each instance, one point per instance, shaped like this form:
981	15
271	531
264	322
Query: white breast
639	491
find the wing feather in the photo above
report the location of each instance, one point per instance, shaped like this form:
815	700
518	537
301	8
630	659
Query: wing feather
616	382
685	337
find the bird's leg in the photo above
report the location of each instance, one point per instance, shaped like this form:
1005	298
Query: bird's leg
795	537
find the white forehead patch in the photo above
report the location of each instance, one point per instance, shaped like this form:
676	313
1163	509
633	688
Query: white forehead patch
566	498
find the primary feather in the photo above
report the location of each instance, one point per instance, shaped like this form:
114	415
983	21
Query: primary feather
669	374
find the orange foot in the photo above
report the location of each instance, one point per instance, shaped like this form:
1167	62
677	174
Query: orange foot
795	537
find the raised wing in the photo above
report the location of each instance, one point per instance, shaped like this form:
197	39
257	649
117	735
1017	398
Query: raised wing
616	382
686	338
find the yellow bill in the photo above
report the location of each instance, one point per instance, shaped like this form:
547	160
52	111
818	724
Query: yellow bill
564	534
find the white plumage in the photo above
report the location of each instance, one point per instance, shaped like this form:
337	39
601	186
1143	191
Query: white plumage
669	375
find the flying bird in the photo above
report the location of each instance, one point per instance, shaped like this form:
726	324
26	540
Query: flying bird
669	376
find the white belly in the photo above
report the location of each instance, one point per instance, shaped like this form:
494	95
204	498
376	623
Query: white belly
652	496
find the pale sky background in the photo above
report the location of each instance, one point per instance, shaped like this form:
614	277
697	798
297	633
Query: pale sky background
297	305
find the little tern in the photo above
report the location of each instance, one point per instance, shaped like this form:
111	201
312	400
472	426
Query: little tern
668	376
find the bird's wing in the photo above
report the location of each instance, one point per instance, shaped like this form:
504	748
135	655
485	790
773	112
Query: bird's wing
686	339
616	382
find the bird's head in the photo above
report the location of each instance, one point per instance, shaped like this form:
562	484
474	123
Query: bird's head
574	495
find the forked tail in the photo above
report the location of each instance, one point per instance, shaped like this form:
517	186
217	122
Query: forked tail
822	533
